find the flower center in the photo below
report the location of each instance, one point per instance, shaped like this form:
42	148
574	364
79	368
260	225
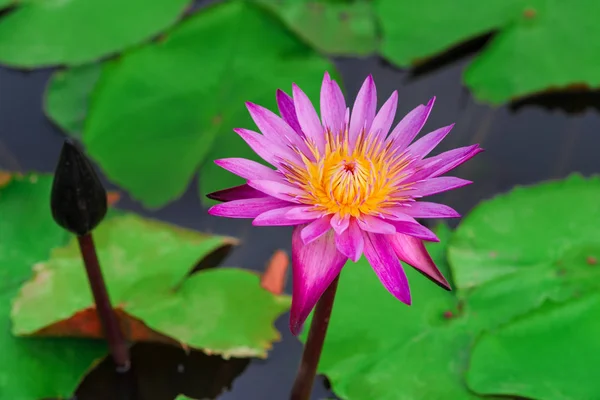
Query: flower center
362	180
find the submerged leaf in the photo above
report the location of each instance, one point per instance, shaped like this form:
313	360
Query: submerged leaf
154	120
146	265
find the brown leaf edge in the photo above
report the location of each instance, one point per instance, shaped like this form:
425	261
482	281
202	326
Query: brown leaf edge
86	324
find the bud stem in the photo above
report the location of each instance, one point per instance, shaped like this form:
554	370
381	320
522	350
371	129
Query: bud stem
108	318
314	344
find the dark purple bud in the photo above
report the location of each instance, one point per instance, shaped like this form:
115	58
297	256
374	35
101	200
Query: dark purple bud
78	199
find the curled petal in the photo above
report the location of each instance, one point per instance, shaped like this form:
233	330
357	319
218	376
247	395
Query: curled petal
247	208
351	242
333	105
385	117
386	265
376	225
278	217
308	118
285	104
413	252
315	266
236	193
316	229
437	185
363	110
410	126
248	169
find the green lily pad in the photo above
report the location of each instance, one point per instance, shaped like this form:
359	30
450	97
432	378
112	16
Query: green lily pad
6	3
512	253
46	33
68	97
552	354
379	348
533	36
146	266
33	368
164	110
346	27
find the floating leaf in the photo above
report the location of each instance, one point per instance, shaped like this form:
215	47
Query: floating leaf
46	33
6	3
68	96
552	354
146	266
32	368
162	111
512	253
330	26
533	36
379	348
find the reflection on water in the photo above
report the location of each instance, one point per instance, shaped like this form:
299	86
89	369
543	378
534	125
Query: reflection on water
161	372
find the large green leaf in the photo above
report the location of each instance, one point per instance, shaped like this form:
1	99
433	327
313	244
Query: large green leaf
515	251
533	38
68	97
51	32
30	368
146	266
379	348
162	111
510	257
552	354
338	27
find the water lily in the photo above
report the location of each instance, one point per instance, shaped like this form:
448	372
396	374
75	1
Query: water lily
347	184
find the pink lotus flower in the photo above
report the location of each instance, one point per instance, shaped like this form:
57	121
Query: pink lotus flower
346	186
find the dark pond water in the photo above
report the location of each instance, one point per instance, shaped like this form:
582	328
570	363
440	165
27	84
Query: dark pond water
543	138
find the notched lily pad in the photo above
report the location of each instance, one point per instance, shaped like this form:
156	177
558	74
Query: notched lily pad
146	266
530	38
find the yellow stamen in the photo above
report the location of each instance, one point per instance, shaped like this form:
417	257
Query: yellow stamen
350	181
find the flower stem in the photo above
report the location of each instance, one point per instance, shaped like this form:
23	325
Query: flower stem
108	318
314	344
